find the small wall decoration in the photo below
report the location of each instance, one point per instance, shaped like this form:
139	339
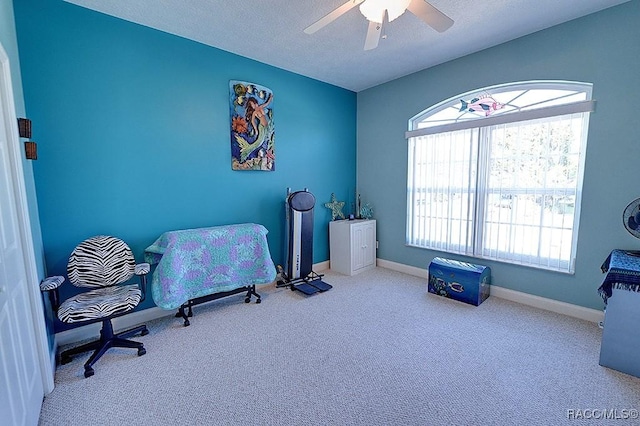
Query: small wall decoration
24	131
366	212
31	150
336	207
24	128
252	127
484	103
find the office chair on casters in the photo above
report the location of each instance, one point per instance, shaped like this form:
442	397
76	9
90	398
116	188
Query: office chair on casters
102	264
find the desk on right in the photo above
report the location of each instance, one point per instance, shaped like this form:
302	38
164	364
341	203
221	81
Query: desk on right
620	289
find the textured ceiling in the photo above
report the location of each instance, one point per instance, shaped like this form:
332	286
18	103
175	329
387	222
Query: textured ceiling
271	31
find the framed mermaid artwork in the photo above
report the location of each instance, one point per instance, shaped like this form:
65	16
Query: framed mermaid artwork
252	127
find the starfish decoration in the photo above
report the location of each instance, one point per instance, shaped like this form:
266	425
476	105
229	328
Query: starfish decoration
335	206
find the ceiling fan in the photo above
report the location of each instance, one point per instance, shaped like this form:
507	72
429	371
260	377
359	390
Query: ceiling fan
379	11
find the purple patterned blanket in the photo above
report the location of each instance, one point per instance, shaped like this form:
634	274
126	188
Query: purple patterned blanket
198	262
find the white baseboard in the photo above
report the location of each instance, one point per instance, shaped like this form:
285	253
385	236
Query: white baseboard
127	321
322	266
406	269
121	323
53	358
575	311
139	317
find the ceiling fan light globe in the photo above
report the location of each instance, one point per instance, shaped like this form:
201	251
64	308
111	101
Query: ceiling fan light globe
373	10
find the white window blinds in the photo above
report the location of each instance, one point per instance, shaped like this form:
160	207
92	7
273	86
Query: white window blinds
508	191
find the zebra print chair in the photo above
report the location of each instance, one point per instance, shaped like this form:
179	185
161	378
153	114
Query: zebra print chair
101	264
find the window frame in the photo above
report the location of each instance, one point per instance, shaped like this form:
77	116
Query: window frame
482	125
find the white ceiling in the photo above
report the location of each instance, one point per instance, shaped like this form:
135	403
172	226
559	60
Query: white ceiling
271	31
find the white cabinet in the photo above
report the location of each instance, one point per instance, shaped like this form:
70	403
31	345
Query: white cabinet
352	245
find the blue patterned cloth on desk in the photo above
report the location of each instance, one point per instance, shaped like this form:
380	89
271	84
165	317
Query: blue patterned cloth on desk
623	272
198	262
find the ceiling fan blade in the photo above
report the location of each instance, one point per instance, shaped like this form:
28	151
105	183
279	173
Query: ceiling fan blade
373	35
430	15
332	16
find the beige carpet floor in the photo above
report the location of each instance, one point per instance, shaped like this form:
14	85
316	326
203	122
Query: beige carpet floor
374	350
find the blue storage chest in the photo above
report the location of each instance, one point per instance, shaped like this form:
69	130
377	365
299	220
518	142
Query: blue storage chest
461	281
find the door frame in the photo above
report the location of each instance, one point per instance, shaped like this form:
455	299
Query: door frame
36	316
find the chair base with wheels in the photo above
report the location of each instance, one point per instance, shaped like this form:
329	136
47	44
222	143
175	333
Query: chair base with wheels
108	339
101	263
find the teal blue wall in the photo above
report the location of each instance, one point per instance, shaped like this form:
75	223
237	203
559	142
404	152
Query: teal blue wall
9	42
604	49
133	136
132	127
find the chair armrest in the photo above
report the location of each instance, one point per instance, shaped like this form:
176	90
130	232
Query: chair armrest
142	269
50	285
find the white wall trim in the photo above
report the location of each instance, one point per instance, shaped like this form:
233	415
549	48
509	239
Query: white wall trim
322	266
575	311
24	225
139	317
92	331
409	270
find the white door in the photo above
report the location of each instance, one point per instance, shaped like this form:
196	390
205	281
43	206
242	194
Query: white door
21	385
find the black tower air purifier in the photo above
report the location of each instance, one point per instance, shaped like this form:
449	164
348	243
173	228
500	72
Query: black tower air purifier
300	234
298	272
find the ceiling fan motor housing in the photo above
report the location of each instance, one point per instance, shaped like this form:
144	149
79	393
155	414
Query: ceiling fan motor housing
374	10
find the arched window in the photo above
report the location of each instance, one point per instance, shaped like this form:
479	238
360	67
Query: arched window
497	173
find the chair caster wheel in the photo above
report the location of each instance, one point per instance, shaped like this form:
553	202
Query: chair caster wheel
65	359
186	323
88	372
141	351
144	332
258	301
247	300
